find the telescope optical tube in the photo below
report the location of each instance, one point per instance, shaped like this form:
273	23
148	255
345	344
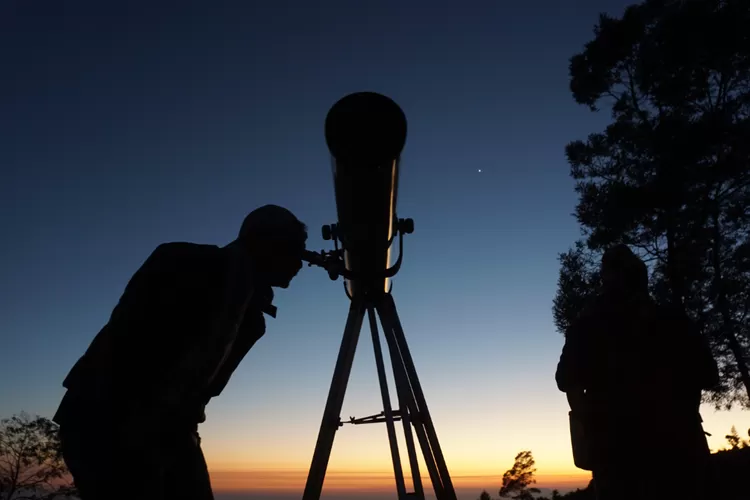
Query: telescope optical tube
366	133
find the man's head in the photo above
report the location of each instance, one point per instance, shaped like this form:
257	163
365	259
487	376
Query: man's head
623	272
275	240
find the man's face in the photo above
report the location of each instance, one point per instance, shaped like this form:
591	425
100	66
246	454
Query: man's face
282	259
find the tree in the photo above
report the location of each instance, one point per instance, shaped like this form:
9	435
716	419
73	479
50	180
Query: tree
576	286
31	464
518	479
735	441
485	496
670	176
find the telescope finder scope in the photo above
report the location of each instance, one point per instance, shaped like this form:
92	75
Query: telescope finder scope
365	133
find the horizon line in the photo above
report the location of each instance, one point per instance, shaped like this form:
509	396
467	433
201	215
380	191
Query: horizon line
377	472
293	480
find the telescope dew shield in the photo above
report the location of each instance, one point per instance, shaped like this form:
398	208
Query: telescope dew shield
365	133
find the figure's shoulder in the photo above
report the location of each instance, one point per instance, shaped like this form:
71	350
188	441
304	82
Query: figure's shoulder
670	312
672	320
593	310
177	249
186	247
177	255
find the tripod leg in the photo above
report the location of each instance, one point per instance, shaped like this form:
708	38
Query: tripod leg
397	470
424	414
405	391
411	449
332	413
405	403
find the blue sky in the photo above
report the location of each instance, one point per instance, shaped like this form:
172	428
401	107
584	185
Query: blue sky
124	125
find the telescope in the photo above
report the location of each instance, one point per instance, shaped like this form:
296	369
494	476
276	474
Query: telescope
365	133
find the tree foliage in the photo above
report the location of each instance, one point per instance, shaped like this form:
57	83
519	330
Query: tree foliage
735	441
670	175
517	480
579	279
31	464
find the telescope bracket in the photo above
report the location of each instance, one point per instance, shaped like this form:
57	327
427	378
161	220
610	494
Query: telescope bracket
333	261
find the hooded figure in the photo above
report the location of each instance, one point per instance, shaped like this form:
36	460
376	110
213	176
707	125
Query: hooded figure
633	372
185	321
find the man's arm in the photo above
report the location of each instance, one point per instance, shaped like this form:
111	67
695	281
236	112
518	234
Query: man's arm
112	350
145	341
252	329
570	373
128	354
197	364
701	362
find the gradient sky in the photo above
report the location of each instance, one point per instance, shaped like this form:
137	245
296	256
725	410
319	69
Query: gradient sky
126	126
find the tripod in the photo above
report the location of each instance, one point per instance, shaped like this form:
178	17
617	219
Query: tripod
412	410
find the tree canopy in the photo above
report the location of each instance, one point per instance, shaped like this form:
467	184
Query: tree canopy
31	464
670	175
518	479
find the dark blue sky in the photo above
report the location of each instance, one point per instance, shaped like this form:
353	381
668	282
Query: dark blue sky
127	124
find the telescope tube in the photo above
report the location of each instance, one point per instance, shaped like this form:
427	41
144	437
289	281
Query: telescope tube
366	133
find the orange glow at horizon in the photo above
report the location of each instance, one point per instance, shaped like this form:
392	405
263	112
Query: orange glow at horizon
477	455
293	480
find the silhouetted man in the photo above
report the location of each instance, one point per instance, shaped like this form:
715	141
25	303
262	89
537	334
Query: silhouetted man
129	419
633	372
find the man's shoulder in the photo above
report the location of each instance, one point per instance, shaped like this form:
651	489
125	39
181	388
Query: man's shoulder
670	312
593	312
177	251
184	247
180	258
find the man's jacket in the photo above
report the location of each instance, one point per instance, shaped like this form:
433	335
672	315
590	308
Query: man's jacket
186	320
642	367
635	356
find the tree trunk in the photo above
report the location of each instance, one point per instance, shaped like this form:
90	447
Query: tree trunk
727	329
676	281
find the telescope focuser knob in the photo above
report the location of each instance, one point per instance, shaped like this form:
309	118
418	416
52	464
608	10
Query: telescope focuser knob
330	232
406	226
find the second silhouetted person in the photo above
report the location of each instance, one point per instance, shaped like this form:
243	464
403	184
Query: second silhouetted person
633	372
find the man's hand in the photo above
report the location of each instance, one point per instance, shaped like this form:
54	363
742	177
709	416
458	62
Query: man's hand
576	400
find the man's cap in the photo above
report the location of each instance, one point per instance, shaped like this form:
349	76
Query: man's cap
269	220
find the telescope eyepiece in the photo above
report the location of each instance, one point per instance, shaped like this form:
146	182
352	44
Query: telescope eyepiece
365	129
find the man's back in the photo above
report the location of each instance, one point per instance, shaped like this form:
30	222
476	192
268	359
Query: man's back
642	367
183	325
637	355
167	306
